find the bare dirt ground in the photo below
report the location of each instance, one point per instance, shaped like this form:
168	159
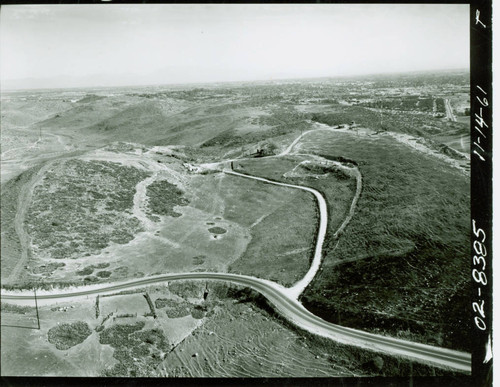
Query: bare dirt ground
175	244
241	340
224	221
27	352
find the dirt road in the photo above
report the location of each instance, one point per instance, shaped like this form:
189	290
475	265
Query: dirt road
23	203
284	299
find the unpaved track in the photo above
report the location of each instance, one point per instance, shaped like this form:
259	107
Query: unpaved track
23	203
285	299
140	201
299	287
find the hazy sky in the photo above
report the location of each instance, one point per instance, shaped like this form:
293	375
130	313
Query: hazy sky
78	45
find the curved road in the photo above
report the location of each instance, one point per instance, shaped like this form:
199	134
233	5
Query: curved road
295	291
285	299
294	312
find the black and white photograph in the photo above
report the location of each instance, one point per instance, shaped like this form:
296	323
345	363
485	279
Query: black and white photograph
252	191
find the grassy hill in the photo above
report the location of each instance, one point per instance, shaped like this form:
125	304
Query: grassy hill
402	265
400	268
214	126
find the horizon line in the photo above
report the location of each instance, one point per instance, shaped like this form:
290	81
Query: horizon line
345	76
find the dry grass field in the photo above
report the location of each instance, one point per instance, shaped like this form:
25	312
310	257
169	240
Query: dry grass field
408	238
106	185
109	215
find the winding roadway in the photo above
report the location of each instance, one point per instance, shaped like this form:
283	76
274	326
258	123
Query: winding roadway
295	291
285	299
292	310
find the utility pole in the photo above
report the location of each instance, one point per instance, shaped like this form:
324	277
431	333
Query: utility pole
380	112
36	307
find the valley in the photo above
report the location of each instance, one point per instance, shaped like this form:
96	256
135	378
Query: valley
317	193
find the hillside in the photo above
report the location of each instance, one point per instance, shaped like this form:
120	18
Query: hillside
111	185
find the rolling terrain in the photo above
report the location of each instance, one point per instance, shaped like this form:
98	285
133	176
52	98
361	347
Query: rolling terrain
113	185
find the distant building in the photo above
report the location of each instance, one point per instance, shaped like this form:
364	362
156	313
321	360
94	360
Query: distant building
191	168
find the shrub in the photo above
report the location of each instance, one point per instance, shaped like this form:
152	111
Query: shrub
199	259
181	310
162	302
86	271
186	289
130	343
163	197
12	308
217	230
117	335
65	336
72	203
103	274
198	312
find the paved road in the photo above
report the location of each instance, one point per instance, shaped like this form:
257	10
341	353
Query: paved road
449	110
293	311
297	289
285	300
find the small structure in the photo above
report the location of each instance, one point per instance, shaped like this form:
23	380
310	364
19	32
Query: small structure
191	168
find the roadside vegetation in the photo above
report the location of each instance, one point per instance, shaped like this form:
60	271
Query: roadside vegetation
18	316
36	284
186	289
176	309
13	308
